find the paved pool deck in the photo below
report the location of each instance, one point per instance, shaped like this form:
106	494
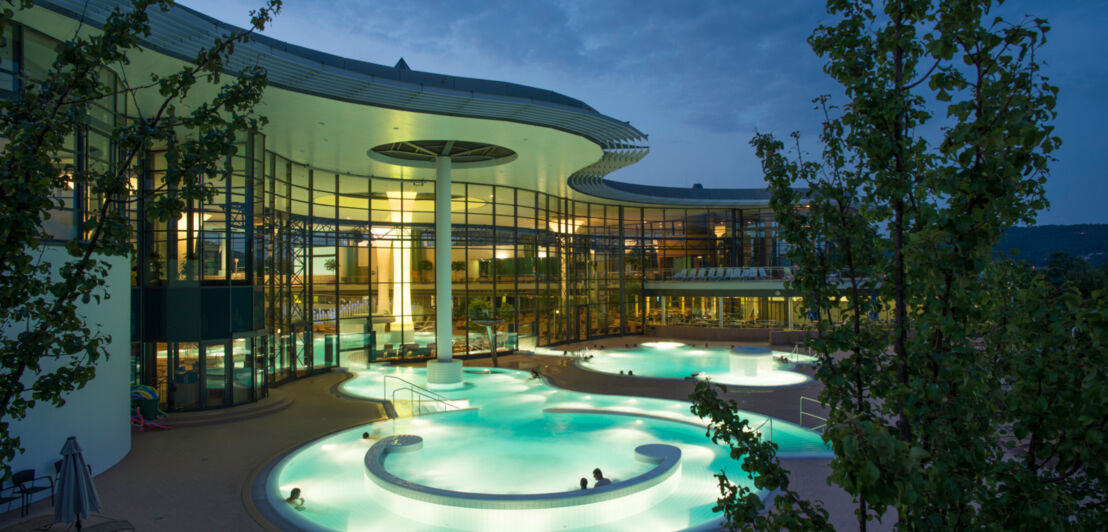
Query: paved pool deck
198	475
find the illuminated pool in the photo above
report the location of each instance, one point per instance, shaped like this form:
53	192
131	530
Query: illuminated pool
741	366
514	436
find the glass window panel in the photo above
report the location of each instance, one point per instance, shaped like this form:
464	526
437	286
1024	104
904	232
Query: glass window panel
242	378
185	391
323	181
38	54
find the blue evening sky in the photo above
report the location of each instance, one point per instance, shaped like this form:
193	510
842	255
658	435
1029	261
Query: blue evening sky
699	78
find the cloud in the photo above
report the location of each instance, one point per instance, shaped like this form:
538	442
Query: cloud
700	78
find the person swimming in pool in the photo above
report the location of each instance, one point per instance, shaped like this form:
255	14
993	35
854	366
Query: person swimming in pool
584	483
295	499
599	477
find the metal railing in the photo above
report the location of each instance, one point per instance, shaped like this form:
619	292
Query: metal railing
804	414
758	429
796	352
416	395
727	273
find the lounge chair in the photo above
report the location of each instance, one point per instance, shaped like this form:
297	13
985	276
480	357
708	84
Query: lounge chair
24	481
13	495
146	413
144	407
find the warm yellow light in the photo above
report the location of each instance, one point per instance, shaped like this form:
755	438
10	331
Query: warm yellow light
380	232
568	226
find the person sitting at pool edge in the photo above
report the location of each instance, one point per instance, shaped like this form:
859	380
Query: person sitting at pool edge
295	499
584	483
600	480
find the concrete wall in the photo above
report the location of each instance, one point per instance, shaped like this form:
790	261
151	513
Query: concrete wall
96	414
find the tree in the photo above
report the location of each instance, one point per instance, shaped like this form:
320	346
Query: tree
741	506
48	350
1066	271
904	208
1052	365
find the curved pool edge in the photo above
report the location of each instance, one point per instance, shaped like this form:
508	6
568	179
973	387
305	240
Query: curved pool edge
253	492
800	455
255	489
666	459
580	364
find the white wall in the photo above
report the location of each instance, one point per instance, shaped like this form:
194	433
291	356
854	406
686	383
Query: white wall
96	414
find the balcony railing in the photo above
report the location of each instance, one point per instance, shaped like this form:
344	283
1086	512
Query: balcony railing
733	273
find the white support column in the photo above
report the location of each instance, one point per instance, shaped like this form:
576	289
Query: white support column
443	282
444	372
789	299
663	310
719	310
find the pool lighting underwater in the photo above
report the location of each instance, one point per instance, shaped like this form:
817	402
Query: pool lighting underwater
513	461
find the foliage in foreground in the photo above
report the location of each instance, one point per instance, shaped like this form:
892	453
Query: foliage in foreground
742	506
982	405
48	349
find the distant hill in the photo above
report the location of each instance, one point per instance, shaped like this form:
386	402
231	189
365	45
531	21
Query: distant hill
1035	244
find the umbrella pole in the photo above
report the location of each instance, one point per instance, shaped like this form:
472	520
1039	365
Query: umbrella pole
78	521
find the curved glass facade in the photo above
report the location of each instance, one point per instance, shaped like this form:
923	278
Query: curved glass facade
291	269
294	269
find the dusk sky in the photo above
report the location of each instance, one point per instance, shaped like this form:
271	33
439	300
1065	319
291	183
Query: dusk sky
698	78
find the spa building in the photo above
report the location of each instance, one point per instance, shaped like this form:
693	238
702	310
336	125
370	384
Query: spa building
388	213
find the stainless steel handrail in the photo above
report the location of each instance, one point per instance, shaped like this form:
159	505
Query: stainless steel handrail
758	429
796	351
414	390
809	414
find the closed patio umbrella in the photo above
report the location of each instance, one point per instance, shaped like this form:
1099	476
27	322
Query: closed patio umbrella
76	495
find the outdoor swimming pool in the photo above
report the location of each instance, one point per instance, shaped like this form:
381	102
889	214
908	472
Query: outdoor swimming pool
674	360
513	435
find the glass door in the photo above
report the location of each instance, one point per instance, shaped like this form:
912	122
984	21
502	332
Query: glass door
215	375
261	372
184	392
302	350
242	370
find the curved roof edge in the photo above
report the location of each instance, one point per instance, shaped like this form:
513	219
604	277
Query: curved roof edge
670	196
182	32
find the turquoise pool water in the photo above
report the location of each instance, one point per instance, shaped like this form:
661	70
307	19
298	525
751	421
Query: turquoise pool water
512	435
675	360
